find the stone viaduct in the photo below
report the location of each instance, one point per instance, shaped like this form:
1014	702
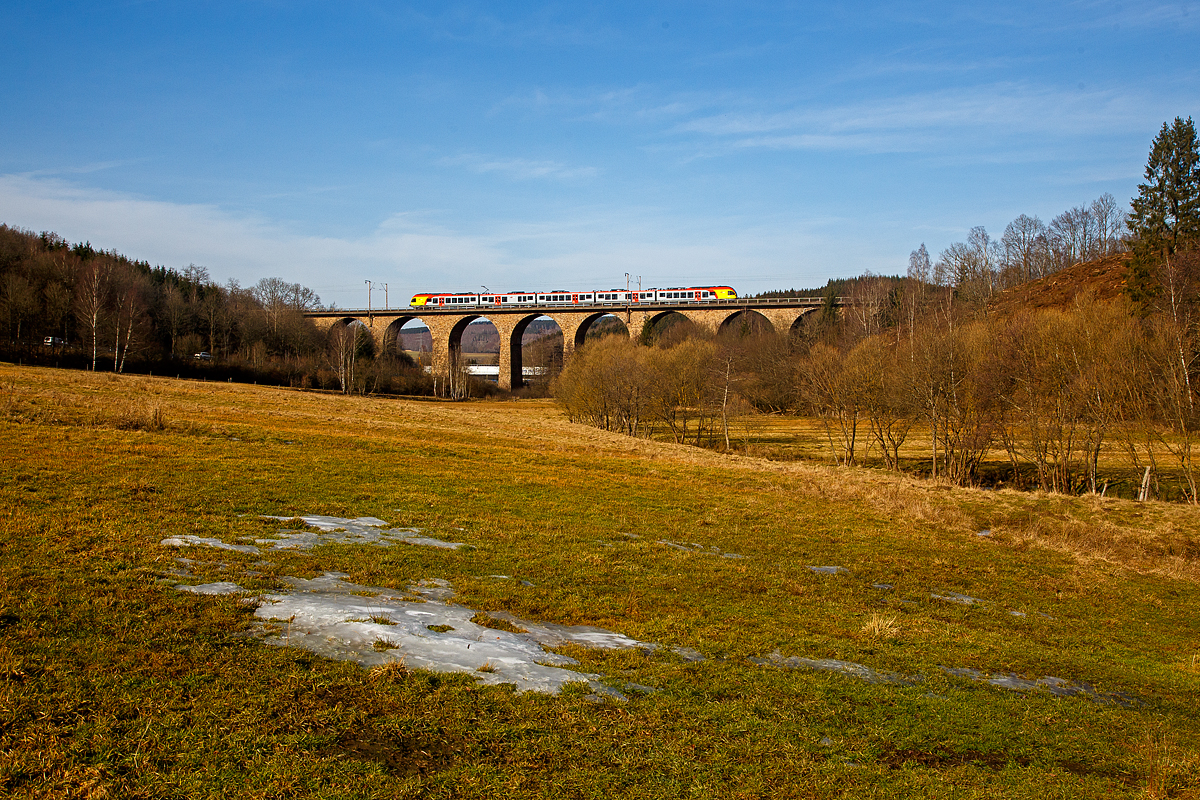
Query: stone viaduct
447	325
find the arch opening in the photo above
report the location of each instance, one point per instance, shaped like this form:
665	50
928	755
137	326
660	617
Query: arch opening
474	347
745	324
408	339
536	351
598	326
804	328
668	329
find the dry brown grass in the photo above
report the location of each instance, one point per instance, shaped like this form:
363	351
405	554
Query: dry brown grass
531	492
1151	538
882	626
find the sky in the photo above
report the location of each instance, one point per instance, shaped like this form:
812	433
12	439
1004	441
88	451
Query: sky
533	146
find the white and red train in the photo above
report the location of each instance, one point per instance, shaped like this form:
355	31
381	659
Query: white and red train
614	297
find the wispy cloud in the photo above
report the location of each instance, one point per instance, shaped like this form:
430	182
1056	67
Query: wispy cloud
1133	14
927	120
519	168
82	169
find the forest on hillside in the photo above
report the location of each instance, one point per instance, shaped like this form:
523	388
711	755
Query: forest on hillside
76	306
1073	396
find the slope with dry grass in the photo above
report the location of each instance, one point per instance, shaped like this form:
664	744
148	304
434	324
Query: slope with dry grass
114	681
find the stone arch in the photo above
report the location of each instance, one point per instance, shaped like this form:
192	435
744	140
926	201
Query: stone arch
513	367
365	347
342	322
653	327
347	340
802	325
454	345
390	345
745	322
589	321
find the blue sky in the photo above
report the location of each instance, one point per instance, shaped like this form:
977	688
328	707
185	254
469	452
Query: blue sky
448	146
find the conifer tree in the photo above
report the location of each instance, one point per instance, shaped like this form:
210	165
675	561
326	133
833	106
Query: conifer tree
1166	212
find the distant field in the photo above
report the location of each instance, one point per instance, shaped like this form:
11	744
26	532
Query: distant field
973	643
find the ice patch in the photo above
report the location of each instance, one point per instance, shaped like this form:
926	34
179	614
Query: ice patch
220	587
334	523
329	530
859	671
962	599
1060	687
188	540
375	626
360	530
829	570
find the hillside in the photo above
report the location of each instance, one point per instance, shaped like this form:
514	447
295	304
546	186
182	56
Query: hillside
1105	278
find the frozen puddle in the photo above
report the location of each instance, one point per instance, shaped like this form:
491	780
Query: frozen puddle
860	671
374	626
1058	687
221	587
829	570
327	530
961	599
200	541
361	530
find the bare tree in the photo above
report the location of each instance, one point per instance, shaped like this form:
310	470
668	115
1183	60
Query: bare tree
1025	249
886	400
128	289
1109	219
1073	236
834	395
920	273
91	297
345	343
971	266
57	305
175	313
19	300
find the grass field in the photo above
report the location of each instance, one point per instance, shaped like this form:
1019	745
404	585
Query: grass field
113	683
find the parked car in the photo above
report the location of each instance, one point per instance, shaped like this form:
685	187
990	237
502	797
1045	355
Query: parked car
203	356
53	341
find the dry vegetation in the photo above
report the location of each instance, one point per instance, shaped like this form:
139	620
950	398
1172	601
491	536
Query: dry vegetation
114	682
